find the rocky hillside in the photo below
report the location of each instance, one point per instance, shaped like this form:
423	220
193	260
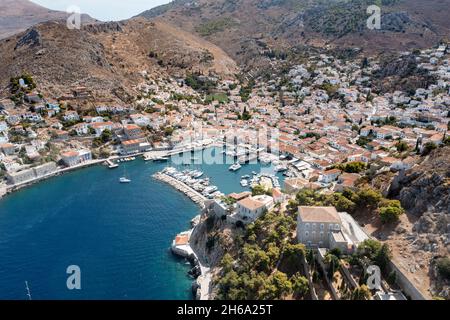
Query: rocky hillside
18	15
250	28
423	236
107	57
427	187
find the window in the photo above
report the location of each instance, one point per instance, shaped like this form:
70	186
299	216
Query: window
307	226
321	235
330	226
320	243
314	226
306	234
322	226
336	227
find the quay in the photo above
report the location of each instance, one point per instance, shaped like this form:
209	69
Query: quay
182	187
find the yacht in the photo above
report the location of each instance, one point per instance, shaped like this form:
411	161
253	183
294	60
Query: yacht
124	180
235	167
210	189
161	159
280	168
244	182
113	166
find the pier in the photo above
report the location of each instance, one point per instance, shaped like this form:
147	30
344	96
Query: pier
182	187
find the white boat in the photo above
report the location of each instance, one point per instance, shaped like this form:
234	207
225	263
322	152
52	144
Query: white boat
210	189
235	167
161	159
124	180
244	183
113	166
280	168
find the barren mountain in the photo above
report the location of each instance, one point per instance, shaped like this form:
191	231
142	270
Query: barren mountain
18	15
248	28
107	57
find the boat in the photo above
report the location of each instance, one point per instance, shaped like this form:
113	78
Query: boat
197	174
161	159
124	180
235	167
244	183
209	190
245	177
280	168
113	166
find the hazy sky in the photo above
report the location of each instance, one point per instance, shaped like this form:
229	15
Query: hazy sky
104	9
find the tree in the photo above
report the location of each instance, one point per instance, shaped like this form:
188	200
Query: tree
333	264
402	146
383	256
443	267
361	293
226	263
428	147
390	214
259	190
293	253
245	115
369	197
354	167
281	284
300	285
106	136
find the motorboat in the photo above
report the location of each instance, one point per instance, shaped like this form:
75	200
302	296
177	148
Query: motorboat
235	167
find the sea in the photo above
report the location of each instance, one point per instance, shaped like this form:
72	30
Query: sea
118	236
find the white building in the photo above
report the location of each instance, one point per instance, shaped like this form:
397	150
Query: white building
251	208
72	158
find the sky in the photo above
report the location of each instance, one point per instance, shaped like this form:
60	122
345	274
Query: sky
105	10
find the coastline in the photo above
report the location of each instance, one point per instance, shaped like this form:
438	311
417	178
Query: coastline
203	281
6	189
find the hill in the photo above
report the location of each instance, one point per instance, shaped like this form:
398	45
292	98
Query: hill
107	57
250	28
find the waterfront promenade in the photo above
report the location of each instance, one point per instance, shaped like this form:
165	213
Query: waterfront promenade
17	186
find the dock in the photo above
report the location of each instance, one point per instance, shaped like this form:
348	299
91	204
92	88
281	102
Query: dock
182	187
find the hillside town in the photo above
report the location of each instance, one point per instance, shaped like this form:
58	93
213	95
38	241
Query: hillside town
320	123
324	111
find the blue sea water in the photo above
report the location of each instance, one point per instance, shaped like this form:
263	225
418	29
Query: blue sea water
118	234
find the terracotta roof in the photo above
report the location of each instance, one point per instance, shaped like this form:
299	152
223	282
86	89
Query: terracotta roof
70	154
240	196
319	214
181	239
251	203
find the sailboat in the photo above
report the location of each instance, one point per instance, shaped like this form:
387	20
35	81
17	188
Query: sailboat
124	179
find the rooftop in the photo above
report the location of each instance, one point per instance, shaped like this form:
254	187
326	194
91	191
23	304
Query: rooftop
319	214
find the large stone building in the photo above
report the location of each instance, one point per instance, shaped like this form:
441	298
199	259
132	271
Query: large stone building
324	227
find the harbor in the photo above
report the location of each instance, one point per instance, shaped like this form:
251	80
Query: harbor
143	218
